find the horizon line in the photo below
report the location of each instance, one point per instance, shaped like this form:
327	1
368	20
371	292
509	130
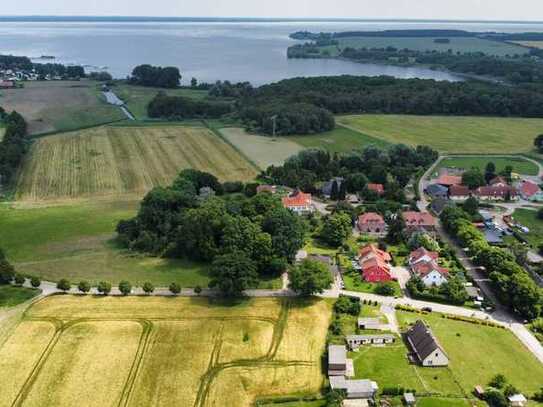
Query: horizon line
36	17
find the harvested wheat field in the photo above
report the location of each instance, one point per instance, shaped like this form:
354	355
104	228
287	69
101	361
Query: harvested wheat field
141	351
114	161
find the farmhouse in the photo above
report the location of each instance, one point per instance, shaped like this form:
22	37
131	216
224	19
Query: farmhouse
419	222
497	192
425	346
379	189
355	341
337	360
531	191
355	389
374	264
430	273
299	202
449	180
498	182
437	191
372	223
459	193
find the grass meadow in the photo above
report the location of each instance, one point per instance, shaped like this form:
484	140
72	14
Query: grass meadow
140	351
11	295
120	161
138	97
451	134
519	164
529	219
60	105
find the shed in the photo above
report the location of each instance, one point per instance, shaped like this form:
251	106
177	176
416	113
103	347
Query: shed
517	400
355	341
355	389
409	399
369	323
337	360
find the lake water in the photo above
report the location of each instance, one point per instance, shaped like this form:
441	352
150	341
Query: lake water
209	51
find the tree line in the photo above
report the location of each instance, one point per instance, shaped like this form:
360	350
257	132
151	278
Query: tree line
242	237
514	285
157	76
42	70
180	107
13	146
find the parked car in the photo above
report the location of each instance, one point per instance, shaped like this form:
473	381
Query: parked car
427	309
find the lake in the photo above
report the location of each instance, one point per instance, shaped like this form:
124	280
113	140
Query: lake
206	50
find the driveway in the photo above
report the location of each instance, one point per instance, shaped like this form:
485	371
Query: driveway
402	274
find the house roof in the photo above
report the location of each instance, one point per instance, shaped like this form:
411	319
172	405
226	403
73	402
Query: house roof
498	180
353	386
449	180
459	190
423	268
369	337
377	262
434	189
375	251
370	217
297	198
421	252
422	340
529	189
379	188
439	204
337	354
499	191
418	218
516	398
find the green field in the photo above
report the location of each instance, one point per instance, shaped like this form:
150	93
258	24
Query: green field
519	164
340	140
529	219
138	97
451	134
427	44
60	105
11	295
163	351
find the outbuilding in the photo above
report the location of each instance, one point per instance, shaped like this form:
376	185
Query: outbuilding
355	341
337	360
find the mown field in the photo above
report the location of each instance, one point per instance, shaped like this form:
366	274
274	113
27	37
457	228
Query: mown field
519	164
163	351
60	105
138	97
451	134
120	161
427	44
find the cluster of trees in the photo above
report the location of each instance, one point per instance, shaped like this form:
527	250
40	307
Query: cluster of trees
514	285
15	63
100	76
8	274
384	94
287	118
63	71
498	391
393	168
13	146
227	89
242	237
179	107
309	277
157	76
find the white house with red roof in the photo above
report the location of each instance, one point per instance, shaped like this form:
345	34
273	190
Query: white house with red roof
424	265
372	223
299	202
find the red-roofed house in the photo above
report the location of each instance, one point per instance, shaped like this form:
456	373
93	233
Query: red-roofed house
531	191
498	181
422	255
372	223
497	192
430	273
299	202
419	222
374	264
459	193
377	188
449	180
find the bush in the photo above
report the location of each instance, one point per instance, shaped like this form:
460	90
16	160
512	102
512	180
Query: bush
175	288
84	286
104	287
64	285
198	290
35	282
384	289
347	305
125	287
19	280
148	287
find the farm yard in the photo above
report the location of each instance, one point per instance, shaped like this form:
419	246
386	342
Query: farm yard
176	351
450	134
60	105
120	162
520	165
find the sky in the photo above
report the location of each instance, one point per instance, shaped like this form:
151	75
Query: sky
527	10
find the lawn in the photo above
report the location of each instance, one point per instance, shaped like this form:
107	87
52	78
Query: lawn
60	105
138	97
451	134
427	44
121	161
354	282
163	351
340	140
11	295
467	344
529	219
262	150
519	164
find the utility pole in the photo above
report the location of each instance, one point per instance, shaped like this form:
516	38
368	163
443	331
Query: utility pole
274	122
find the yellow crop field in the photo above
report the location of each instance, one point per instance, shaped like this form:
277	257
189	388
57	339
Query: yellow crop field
123	161
141	351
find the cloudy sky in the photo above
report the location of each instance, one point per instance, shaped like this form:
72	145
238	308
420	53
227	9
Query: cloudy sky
425	9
